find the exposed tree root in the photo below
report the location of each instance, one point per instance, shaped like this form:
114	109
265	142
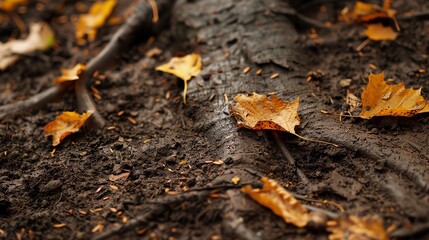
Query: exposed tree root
138	27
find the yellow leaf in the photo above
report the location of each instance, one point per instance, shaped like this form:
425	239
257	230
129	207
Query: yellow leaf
235	179
378	32
10	5
381	99
70	74
41	38
353	227
183	67
259	112
89	23
64	125
280	201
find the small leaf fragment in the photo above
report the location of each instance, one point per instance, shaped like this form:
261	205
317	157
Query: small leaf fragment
280	201
235	180
70	74
184	68
64	125
89	23
353	227
260	112
378	32
381	99
41	38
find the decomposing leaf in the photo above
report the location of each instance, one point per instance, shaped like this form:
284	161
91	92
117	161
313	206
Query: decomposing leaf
64	125
378	32
70	74
381	99
41	38
89	23
353	101
280	201
10	5
353	227
259	112
183	67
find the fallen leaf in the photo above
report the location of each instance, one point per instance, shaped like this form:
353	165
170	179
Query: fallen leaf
260	112
70	74
381	99
64	125
60	225
89	23
10	5
378	32
353	227
183	67
280	201
235	180
353	101
41	38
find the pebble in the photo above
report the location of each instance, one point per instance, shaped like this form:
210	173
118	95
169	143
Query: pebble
51	186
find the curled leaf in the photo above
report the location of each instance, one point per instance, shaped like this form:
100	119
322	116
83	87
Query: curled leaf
64	125
41	38
70	74
260	112
183	67
89	23
353	227
280	201
381	99
378	32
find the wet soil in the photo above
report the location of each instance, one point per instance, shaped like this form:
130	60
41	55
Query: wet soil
156	161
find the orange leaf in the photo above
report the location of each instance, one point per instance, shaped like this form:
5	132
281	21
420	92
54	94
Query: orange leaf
183	67
259	112
88	24
10	5
378	32
70	74
353	227
280	201
64	125
366	12
381	99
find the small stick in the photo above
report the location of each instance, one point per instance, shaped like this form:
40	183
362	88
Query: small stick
289	157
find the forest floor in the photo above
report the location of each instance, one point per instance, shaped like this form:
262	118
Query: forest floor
150	150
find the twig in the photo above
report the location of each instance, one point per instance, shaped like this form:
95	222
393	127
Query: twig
411	233
419	16
289	157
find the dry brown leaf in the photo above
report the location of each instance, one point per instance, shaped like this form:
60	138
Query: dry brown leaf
353	227
41	38
89	23
70	74
10	5
280	201
183	67
378	32
259	112
381	99
353	101
64	125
